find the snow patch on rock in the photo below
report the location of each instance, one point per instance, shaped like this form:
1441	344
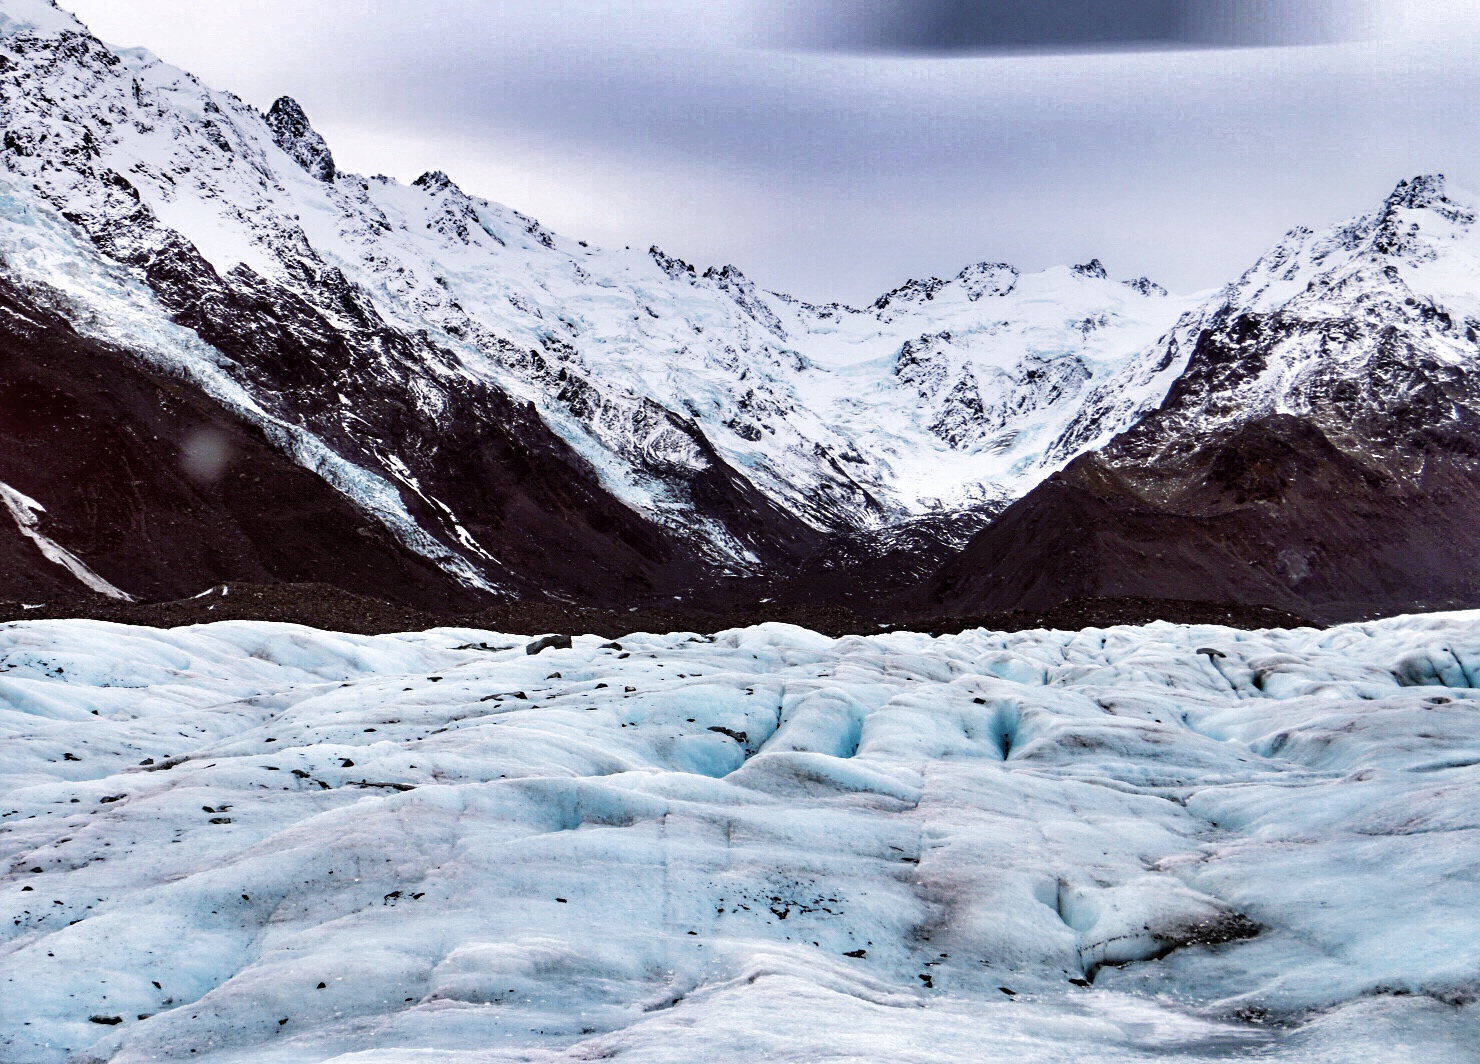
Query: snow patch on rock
24	510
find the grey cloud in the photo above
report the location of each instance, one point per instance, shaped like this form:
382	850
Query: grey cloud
994	26
837	173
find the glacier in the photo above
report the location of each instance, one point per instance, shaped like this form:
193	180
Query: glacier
410	344
262	842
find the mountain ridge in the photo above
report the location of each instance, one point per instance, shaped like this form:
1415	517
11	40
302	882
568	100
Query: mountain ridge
1319	439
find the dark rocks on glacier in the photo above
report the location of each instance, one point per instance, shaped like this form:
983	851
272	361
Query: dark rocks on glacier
549	642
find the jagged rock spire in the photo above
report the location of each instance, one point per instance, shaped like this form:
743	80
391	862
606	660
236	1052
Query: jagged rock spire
293	133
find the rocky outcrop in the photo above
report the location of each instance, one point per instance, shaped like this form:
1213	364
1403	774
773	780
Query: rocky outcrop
292	132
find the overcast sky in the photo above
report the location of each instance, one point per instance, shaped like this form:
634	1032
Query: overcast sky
834	148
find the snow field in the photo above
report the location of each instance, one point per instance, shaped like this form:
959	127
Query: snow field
260	842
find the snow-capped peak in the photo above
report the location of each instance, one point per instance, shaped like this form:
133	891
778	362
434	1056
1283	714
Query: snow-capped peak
1360	327
1417	224
40	17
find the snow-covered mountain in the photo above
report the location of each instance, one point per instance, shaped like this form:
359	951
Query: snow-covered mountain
374	328
1369	328
1319	440
532	416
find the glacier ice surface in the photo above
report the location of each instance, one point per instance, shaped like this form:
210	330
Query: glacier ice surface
261	842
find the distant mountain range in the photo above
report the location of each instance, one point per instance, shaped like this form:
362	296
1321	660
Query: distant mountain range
223	359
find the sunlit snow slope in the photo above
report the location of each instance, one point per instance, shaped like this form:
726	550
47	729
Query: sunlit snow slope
254	842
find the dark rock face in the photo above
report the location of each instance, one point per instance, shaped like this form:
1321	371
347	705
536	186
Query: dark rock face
1270	511
163	491
1270	514
293	133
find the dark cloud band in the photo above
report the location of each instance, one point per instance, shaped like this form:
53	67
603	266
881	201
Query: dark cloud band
988	26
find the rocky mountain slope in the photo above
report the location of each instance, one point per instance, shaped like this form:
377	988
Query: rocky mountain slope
1320	447
165	490
148	479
